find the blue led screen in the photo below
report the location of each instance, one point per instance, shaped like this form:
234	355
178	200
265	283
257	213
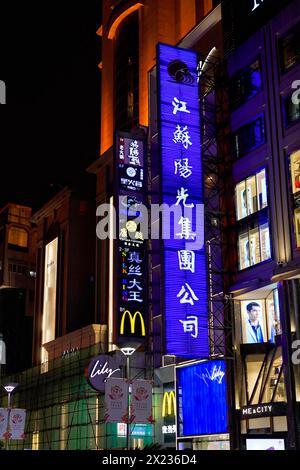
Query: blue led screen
185	274
202	399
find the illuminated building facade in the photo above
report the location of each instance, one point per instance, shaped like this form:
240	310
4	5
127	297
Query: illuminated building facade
64	299
263	63
197	109
130	105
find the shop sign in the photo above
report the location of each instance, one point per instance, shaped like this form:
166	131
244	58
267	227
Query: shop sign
263	410
100	369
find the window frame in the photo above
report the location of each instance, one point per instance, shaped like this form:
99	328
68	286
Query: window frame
285	122
237	76
253	175
13	246
262	119
282	68
255	220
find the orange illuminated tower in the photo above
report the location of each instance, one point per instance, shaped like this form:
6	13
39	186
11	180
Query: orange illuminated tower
130	32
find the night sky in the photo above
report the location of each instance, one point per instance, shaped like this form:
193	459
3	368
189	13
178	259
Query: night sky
50	126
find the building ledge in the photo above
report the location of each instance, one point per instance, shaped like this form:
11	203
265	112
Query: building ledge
79	339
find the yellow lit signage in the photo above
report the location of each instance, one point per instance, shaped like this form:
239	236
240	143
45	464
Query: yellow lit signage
169	406
132	319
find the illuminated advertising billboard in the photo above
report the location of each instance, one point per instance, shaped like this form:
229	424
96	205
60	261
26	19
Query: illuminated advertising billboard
265	444
185	282
201	392
130	318
50	287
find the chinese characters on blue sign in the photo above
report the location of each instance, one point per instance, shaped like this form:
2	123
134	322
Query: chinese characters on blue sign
185	283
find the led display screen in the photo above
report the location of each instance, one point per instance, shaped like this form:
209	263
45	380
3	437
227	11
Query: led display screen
202	399
185	283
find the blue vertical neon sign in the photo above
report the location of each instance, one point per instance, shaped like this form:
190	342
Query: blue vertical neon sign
185	282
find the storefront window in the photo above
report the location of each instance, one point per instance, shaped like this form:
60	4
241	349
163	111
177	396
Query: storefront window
261	182
265	246
251	195
274	390
295	171
254	246
244	250
251	202
297	226
295	183
261	319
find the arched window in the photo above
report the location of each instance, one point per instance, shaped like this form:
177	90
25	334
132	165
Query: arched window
127	74
18	237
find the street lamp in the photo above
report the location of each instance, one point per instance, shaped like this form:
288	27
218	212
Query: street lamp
9	388
128	350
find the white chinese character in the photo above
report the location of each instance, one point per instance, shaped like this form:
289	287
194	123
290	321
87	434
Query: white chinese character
173	429
186	260
179	106
134	154
181	135
187	295
135	297
164	429
134	271
190	325
121	153
183	168
182	195
134	284
170	429
186	229
134	257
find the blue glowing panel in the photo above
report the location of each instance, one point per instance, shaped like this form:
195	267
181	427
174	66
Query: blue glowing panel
202	399
185	280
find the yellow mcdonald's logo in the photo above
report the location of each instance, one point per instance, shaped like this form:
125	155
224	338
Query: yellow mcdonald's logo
132	319
169	406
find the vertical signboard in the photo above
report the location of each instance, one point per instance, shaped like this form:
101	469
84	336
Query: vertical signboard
17	423
130	318
185	283
116	401
49	305
3	422
141	402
